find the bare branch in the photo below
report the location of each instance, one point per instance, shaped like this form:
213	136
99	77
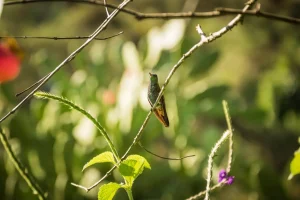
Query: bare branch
106	9
60	38
218	12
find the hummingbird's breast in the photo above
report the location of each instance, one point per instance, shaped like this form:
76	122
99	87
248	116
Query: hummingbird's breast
153	91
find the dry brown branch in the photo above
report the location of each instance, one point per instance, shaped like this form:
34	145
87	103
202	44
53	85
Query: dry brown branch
218	12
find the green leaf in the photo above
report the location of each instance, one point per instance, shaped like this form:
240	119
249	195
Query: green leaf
108	191
295	165
139	159
101	158
132	167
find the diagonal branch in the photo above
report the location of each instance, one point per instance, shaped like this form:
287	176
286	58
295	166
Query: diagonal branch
68	59
218	12
203	40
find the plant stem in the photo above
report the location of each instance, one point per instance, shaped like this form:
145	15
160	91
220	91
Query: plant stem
228	120
21	169
84	112
210	161
129	193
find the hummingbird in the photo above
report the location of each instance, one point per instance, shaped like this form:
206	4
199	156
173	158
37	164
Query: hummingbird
160	109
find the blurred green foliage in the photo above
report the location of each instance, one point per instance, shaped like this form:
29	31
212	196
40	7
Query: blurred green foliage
255	67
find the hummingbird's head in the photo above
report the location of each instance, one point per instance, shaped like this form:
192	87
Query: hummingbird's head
153	77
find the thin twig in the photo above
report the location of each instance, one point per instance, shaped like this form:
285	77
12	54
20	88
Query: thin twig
21	169
210	162
30	87
106	9
97	183
60	38
203	40
166	158
68	59
218	12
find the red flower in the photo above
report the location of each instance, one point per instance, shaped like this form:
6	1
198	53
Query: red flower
10	60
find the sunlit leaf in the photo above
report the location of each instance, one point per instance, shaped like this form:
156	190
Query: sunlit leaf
108	191
101	158
132	167
295	164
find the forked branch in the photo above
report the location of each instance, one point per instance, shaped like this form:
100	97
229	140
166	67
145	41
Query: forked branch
68	59
218	12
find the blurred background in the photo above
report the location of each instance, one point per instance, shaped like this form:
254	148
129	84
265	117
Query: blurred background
255	67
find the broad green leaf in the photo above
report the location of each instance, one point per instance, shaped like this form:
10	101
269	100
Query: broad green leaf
108	191
101	158
132	167
139	159
295	164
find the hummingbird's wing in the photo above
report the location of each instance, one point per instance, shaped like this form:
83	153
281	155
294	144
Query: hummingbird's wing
164	113
161	112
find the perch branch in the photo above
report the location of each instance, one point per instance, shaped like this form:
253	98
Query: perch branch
203	40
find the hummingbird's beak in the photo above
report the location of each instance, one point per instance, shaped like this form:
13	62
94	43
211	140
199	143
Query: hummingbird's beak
150	74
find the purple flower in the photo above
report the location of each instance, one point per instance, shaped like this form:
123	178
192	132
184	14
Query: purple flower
229	180
222	175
